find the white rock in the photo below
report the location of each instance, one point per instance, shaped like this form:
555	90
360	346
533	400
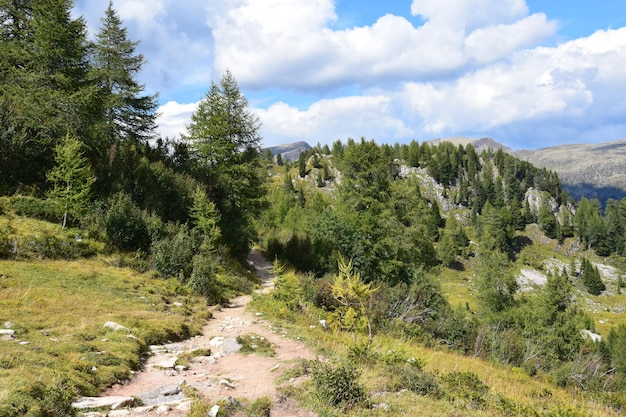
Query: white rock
116	327
7	332
226	383
102	402
214	410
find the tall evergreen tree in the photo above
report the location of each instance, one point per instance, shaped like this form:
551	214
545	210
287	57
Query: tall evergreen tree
224	138
129	114
44	94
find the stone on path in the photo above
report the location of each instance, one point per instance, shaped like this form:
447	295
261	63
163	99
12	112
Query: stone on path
225	345
112	403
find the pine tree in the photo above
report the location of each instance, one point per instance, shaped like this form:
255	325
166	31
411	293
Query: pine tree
128	113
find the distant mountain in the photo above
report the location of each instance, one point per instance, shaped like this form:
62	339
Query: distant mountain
290	151
593	171
480	144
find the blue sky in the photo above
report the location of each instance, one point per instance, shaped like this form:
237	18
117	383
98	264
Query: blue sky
529	73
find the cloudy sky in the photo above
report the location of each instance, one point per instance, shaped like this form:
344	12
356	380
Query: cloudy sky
530	74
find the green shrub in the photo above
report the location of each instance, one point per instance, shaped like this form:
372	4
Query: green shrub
173	256
337	385
56	246
261	407
410	377
203	278
36	208
126	225
465	389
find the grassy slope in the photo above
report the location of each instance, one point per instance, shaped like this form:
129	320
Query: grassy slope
60	307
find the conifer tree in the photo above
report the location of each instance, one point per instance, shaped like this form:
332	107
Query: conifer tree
224	140
44	94
71	178
129	114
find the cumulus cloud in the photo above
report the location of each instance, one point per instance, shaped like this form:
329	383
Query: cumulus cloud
464	67
328	120
575	83
251	35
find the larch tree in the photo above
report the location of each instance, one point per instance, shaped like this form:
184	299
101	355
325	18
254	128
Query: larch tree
224	139
71	179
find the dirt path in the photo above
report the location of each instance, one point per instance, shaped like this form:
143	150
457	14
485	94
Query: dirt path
221	375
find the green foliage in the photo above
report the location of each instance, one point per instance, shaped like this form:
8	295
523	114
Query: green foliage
206	218
203	278
260	407
126	225
173	255
71	179
34	207
337	385
617	347
496	283
224	140
590	276
353	295
465	389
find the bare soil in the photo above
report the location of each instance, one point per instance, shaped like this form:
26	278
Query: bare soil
249	376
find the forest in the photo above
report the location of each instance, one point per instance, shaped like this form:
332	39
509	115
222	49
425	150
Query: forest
365	233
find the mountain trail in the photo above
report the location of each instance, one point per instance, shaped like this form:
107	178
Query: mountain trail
226	374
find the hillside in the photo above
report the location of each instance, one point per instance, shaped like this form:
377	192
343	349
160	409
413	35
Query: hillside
593	171
291	151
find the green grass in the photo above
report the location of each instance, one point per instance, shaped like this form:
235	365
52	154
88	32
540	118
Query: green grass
59	308
450	384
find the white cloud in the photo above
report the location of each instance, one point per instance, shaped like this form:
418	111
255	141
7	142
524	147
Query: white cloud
289	43
173	118
573	83
328	120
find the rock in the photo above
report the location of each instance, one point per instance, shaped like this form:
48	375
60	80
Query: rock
168	363
184	406
112	403
226	383
115	327
170	395
214	410
180	368
118	413
594	337
164	391
7	332
8	324
177	304
225	345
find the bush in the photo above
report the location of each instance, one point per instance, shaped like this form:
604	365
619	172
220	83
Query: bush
173	256
261	407
126	225
465	389
412	378
337	385
36	208
203	279
56	246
